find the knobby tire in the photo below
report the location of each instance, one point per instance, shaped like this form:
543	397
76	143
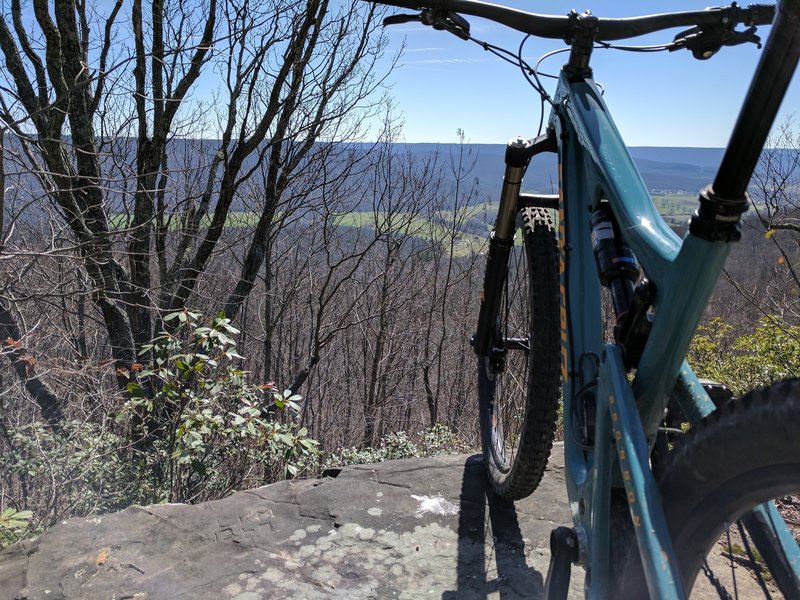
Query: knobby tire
519	406
745	453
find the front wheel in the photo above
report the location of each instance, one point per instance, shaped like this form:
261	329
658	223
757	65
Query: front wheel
519	381
744	454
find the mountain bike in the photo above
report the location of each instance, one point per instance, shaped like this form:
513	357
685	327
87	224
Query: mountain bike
541	341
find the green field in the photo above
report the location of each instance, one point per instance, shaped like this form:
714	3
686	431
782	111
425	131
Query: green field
118	221
477	221
675	208
430	229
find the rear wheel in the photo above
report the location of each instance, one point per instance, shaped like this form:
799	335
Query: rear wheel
519	380
744	454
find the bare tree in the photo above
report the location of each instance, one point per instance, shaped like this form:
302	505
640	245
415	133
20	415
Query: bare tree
145	168
764	269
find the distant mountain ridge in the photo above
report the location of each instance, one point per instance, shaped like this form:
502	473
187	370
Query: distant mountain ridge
662	168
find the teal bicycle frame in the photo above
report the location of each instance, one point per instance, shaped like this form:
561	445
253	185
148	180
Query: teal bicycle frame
626	384
594	164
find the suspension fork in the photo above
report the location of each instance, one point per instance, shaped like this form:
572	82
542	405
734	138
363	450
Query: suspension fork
501	241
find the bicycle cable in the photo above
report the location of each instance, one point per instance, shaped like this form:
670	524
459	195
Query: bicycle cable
527	71
653	48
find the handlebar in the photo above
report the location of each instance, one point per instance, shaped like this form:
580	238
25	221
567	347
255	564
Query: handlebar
604	29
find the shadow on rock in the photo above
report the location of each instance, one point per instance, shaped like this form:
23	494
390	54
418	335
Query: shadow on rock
488	523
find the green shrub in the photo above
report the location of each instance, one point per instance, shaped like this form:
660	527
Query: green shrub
210	430
768	354
193	429
440	439
435	440
13	525
81	469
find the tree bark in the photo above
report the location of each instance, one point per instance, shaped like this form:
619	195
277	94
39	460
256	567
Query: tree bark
24	364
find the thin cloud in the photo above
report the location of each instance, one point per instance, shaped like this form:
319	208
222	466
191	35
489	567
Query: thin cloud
447	61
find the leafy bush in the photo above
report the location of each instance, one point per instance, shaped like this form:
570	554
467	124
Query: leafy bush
768	354
13	524
80	469
193	429
210	430
438	439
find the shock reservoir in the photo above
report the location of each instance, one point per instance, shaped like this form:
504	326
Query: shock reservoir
616	264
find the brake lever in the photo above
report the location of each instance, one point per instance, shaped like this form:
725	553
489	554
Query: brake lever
705	44
400	19
439	20
748	36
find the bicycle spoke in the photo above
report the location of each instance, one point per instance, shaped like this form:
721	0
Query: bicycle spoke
730	551
754	564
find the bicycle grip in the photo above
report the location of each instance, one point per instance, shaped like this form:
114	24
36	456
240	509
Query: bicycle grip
758	14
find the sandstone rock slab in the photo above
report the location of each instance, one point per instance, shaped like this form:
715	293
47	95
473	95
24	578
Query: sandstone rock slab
425	528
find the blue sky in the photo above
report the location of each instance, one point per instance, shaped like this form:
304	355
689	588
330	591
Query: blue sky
657	99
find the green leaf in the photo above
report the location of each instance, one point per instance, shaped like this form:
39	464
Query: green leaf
309	444
224	339
231	329
11	518
285	438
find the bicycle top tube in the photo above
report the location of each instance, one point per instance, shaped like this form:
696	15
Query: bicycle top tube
604	29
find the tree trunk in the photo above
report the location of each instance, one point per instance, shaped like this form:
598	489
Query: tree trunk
24	364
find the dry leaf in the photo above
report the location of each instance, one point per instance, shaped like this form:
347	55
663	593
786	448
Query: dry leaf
30	363
102	557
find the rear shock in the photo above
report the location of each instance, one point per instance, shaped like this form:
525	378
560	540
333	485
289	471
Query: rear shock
616	264
619	272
